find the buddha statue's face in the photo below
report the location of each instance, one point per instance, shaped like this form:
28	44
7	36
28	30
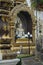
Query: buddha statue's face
20	26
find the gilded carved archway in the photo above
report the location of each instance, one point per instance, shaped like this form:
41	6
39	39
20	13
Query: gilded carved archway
17	10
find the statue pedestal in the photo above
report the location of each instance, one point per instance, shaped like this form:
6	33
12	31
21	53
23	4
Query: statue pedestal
22	40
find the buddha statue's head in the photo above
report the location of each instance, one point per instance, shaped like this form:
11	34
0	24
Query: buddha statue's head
20	25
